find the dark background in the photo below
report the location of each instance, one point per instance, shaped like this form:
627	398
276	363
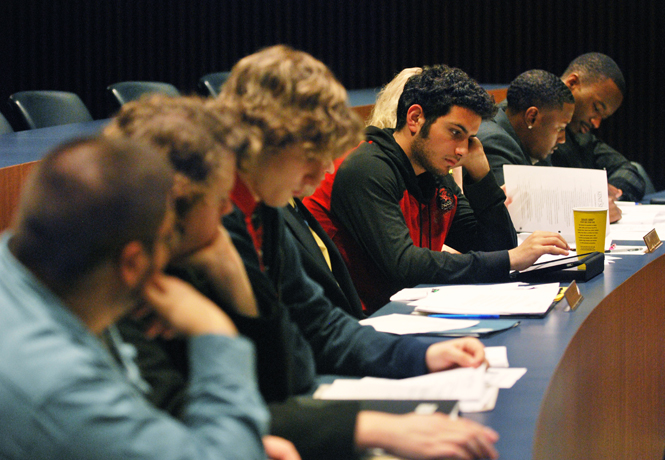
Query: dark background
85	45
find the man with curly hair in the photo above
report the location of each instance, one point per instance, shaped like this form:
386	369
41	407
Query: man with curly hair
530	125
300	115
391	204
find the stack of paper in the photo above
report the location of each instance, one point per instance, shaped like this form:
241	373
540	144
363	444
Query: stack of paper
489	299
475	389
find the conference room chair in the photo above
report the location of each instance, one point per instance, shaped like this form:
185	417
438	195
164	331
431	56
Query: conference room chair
41	109
209	84
5	127
125	91
650	188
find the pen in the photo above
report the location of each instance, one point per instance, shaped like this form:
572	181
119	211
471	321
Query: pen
466	316
624	250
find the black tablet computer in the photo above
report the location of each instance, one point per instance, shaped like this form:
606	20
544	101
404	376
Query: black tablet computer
580	267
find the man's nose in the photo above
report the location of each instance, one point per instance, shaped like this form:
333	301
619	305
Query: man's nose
330	167
462	149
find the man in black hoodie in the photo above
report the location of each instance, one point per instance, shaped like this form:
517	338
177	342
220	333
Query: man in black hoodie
391	204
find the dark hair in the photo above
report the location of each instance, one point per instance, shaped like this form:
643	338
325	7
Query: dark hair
596	67
538	88
84	202
437	89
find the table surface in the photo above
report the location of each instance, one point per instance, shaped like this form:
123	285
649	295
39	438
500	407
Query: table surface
32	145
538	345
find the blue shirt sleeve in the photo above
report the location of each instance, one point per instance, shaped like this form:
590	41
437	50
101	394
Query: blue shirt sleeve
94	413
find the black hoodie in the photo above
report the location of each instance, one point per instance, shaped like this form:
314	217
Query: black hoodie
389	224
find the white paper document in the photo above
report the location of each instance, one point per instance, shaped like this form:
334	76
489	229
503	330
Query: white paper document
544	198
637	220
415	324
497	357
489	299
475	389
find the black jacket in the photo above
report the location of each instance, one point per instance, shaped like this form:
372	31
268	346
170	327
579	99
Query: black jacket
336	284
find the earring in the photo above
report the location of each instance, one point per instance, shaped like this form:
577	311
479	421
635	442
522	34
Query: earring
530	126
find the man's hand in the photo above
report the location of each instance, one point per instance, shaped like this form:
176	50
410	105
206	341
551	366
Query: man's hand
279	448
537	244
435	436
613	192
475	161
446	248
615	211
184	308
224	268
509	199
465	352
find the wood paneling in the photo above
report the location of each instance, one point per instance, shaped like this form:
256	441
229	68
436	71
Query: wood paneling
607	396
11	182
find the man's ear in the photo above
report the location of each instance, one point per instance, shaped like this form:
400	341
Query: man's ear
133	263
415	118
531	115
572	81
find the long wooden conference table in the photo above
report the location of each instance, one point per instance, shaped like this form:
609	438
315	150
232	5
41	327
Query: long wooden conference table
595	381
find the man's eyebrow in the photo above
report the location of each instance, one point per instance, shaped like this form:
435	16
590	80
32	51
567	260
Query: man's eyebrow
466	131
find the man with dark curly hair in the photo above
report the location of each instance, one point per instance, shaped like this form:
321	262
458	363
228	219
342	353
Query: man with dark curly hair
531	123
391	204
598	86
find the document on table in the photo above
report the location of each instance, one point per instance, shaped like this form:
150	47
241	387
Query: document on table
415	324
476	389
489	299
544	198
637	220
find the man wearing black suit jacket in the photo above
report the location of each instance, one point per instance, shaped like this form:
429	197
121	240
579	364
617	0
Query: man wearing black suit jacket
331	272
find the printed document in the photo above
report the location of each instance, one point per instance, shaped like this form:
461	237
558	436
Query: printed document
543	198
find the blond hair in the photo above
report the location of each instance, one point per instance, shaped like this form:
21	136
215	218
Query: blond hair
384	113
288	97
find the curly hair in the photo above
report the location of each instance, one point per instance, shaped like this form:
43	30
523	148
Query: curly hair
384	113
198	140
290	98
596	67
437	89
538	88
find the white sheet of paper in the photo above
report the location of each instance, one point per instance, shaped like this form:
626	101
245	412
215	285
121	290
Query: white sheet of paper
489	299
485	403
504	378
408	294
497	356
544	198
459	384
637	220
415	324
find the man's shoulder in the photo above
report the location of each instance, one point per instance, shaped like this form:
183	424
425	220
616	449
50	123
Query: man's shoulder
42	355
368	162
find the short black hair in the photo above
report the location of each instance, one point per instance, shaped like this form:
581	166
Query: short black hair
437	89
595	67
538	88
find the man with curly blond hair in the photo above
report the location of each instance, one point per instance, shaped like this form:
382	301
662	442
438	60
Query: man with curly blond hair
300	113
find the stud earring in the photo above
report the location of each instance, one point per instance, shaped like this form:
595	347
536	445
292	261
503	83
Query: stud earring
530	126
